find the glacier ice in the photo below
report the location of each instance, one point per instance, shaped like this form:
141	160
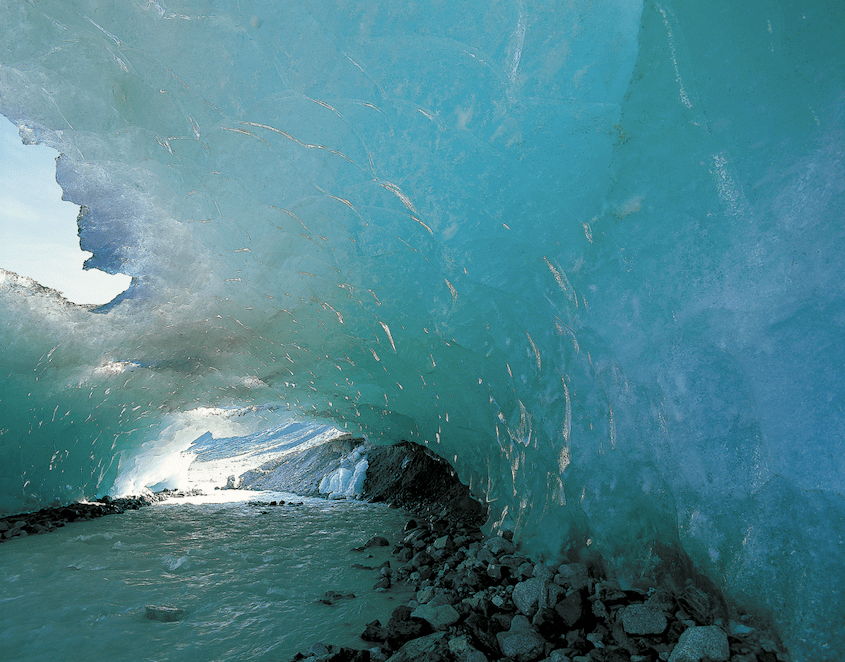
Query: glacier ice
589	251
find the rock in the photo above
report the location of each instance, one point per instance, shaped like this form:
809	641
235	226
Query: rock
441	542
464	652
164	613
378	654
542	571
570	608
701	643
374	632
329	597
557	656
344	654
420	559
410	525
527	595
574	575
663	600
384	582
545	621
525	570
440	617
402	626
609	592
494	571
442	596
551	595
411	476
421	648
696	603
498	546
377	541
599	610
425	594
230	483
643	619
521	643
317	649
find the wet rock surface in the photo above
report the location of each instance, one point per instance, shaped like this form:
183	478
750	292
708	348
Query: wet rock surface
49	519
409	476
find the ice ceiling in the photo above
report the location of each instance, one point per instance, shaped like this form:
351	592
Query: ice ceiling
590	251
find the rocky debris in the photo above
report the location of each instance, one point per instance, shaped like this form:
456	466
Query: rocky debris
49	519
164	613
479	600
410	476
272	504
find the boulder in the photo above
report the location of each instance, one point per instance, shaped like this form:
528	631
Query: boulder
319	649
521	643
696	603
643	619
464	652
402	626
570	608
574	575
441	542
440	616
527	596
701	643
164	613
498	545
420	648
542	571
374	632
557	656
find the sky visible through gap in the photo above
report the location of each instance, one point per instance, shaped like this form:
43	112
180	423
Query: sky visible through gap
38	233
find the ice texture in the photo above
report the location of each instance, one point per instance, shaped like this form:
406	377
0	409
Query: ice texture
592	252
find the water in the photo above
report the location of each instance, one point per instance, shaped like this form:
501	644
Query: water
247	576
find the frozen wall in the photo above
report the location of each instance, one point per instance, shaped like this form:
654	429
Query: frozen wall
590	251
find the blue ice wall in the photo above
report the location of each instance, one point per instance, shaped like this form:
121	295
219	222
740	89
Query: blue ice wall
589	251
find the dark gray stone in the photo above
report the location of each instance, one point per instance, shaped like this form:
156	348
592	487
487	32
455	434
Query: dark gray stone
643	619
164	613
527	596
700	643
521	643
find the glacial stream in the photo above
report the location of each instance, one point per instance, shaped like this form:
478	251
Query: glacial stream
249	579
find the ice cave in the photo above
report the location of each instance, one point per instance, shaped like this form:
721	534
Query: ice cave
590	252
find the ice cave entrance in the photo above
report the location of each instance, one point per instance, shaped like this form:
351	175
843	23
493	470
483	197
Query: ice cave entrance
38	232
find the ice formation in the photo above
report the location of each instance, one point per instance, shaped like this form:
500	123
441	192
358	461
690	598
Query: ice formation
589	251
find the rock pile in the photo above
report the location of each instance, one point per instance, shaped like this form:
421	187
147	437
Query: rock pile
409	476
49	519
479	600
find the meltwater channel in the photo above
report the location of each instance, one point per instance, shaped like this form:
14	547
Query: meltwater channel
248	577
